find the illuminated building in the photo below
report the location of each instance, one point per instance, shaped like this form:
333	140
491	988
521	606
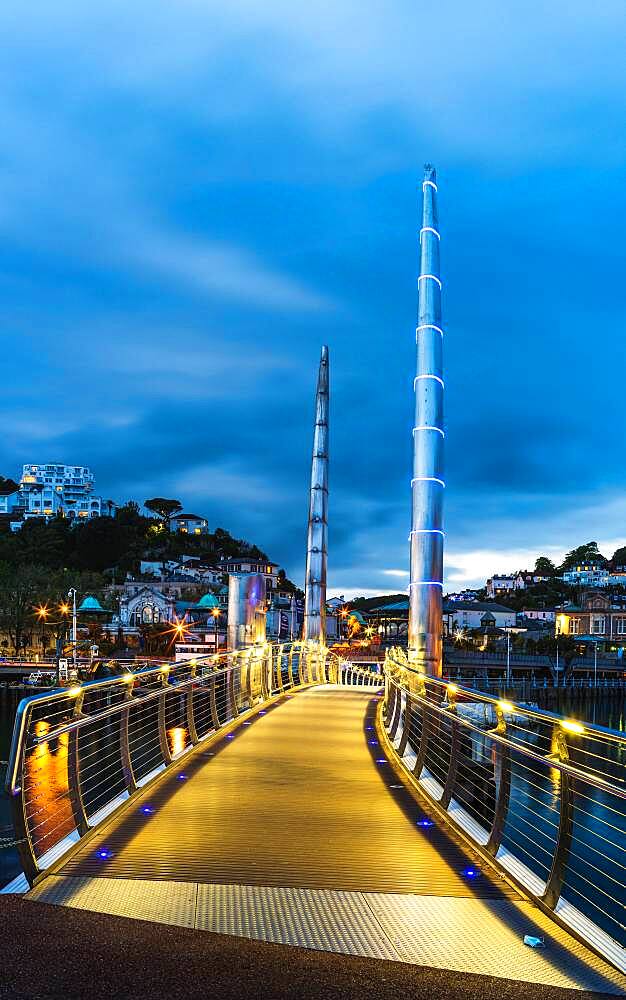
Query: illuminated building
189	524
48	490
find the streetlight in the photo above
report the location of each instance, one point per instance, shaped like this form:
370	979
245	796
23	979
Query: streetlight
216	613
508	658
42	613
72	593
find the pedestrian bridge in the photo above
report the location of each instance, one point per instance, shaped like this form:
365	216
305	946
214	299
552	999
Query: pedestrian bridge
282	794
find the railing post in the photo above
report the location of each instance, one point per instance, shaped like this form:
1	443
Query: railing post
453	764
191	718
564	834
246	665
421	751
502	776
302	664
265	667
408	709
290	665
278	668
127	766
166	752
230	681
397	712
324	665
24	840
213	702
73	772
390	701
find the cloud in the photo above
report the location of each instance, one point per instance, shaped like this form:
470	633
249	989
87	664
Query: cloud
193	197
226	271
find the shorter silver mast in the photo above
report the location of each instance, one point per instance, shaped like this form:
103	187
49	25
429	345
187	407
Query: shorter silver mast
317	538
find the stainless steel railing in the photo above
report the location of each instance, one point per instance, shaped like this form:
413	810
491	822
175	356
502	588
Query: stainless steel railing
79	753
541	795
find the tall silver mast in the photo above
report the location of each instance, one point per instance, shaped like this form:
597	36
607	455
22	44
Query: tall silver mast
427	485
317	539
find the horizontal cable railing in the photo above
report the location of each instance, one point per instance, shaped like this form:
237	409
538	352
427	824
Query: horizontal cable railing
79	753
542	795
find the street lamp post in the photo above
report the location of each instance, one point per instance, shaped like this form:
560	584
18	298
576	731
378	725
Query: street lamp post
508	659
72	593
216	613
595	665
43	614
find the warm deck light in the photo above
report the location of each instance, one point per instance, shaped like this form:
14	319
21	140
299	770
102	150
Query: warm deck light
506	706
74	691
572	727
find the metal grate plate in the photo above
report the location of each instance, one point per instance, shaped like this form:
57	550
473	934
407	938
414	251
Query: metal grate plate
160	902
465	935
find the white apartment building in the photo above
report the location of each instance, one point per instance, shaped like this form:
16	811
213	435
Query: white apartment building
589	575
48	490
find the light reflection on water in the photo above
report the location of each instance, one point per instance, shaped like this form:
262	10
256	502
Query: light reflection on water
178	739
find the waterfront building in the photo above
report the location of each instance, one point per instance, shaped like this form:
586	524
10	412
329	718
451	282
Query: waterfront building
595	616
475	615
148	605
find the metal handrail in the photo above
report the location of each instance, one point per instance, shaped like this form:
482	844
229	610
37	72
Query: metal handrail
80	753
520	785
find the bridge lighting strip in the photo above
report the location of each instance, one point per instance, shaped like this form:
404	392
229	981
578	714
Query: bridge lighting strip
426	583
434	277
426	531
428	326
436	378
431	183
427	479
429	229
427	427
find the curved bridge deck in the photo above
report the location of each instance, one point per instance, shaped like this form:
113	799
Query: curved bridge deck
293	828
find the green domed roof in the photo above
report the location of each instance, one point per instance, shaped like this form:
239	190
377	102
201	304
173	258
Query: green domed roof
208	601
90	603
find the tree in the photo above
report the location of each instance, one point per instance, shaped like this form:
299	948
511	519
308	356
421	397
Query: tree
619	557
20	587
544	566
7	486
584	554
164	508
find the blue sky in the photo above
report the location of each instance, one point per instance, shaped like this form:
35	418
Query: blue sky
195	196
